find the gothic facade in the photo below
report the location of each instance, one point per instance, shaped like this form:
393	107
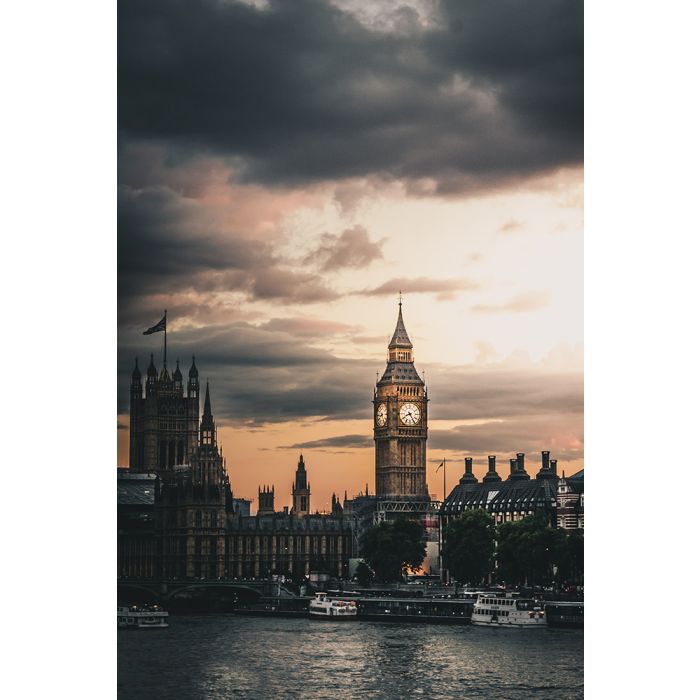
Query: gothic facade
163	421
182	521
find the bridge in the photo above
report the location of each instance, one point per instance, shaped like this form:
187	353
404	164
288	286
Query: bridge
165	592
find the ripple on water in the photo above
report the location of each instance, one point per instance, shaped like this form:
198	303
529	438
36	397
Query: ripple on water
212	657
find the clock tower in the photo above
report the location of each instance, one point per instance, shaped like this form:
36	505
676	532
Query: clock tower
400	423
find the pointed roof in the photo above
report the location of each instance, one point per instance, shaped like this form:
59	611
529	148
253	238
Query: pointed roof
152	371
193	370
400	337
177	374
136	374
207	404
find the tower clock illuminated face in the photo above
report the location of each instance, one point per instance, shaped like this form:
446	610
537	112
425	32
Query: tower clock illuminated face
409	414
381	414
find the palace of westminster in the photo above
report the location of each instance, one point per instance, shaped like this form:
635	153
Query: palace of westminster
178	517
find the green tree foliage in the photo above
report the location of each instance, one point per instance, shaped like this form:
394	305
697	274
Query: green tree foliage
468	546
530	549
393	548
363	574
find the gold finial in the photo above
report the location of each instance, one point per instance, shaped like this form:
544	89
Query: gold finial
400	300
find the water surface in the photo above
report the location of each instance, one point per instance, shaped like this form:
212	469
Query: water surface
226	656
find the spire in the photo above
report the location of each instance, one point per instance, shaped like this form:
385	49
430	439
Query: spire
207	429
193	370
207	405
136	374
177	374
400	337
300	477
152	371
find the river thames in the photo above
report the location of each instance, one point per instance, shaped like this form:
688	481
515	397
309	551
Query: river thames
228	656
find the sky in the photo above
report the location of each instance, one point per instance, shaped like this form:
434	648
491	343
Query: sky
286	168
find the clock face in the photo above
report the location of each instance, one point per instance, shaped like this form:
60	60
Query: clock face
409	414
381	414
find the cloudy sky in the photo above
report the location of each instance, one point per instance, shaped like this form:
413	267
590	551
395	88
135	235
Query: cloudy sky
286	167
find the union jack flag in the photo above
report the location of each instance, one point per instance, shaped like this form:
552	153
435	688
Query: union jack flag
160	326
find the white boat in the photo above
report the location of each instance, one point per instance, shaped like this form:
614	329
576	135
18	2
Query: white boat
141	617
507	611
323	608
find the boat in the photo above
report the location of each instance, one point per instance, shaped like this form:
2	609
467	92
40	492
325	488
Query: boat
435	610
141	617
564	614
324	608
508	610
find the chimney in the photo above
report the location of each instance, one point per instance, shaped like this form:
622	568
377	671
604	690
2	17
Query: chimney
513	466
468	477
521	461
544	472
492	474
553	466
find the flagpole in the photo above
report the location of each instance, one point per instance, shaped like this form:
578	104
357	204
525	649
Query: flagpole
165	340
444	480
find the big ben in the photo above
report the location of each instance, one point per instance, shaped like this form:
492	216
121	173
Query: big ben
400	423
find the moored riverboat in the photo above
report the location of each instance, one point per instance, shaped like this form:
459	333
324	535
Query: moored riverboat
141	617
324	608
274	607
432	610
564	614
508	611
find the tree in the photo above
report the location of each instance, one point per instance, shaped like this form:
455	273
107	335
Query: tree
363	574
392	548
529	549
468	546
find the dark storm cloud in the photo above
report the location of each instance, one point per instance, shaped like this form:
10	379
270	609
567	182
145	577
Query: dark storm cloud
458	394
258	376
353	441
302	92
167	242
528	434
352	248
309	327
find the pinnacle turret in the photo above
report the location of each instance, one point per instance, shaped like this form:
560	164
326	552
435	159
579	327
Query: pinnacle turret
152	371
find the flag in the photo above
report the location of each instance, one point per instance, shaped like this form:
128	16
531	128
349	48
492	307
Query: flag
160	326
442	464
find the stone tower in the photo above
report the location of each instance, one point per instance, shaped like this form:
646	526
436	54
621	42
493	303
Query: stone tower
163	424
400	423
301	490
266	500
192	502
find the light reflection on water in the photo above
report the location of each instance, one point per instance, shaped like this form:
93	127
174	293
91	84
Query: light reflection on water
224	656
